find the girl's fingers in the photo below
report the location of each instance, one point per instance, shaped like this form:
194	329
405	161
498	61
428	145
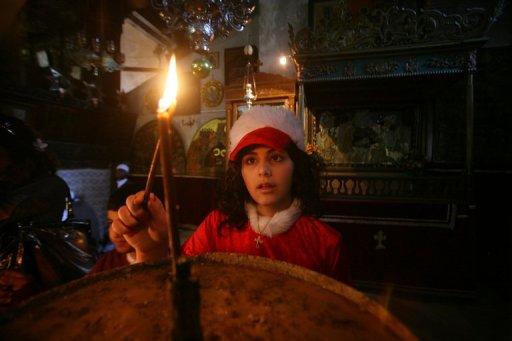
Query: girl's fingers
158	214
117	233
120	243
134	204
119	228
114	235
123	247
127	218
144	230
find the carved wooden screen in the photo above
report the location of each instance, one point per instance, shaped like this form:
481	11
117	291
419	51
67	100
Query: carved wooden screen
387	97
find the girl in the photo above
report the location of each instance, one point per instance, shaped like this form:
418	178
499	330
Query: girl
270	191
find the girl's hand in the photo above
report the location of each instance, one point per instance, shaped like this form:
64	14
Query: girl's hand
144	230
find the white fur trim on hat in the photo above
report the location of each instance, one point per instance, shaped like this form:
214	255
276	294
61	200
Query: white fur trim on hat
123	166
261	116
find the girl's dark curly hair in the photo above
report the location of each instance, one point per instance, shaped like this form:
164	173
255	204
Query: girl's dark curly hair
305	186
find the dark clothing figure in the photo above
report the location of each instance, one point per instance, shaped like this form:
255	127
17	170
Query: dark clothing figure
119	195
40	201
37	250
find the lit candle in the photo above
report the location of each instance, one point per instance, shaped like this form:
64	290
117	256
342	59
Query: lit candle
167	104
165	111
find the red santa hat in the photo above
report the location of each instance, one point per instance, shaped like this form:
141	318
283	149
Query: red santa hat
272	126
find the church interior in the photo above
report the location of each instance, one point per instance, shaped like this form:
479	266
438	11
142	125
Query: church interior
403	101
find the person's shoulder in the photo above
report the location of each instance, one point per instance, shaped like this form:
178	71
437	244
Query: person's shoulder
321	228
50	180
130	187
47	186
108	261
57	179
216	216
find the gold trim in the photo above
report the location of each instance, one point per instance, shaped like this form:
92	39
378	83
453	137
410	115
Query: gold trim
212	93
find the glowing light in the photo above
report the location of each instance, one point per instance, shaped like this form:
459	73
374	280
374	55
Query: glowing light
171	89
283	60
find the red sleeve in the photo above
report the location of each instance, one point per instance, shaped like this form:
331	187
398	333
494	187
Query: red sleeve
109	261
203	239
339	264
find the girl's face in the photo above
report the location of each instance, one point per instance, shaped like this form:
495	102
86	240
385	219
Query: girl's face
267	174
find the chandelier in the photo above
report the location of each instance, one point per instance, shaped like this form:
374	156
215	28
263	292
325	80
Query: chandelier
204	20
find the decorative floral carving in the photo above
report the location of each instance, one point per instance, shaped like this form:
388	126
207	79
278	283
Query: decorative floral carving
446	63
411	66
319	70
381	68
391	26
349	70
355	186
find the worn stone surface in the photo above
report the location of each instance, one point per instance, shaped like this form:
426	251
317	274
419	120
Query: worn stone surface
240	297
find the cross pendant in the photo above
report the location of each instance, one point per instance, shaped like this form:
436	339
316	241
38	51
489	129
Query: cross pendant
258	241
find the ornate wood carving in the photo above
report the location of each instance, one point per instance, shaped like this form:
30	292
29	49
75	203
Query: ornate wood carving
386	186
411	63
391	26
387	57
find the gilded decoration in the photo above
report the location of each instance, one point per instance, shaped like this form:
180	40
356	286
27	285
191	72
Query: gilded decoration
411	66
363	137
390	26
407	64
381	68
207	152
445	63
212	93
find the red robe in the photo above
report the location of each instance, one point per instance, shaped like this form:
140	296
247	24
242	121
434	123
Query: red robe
308	243
109	261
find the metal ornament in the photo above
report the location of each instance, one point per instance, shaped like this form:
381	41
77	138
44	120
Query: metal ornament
205	20
201	67
392	26
249	84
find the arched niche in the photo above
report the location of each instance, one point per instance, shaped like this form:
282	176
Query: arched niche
143	147
207	152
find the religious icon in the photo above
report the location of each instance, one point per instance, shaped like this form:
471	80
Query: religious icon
212	93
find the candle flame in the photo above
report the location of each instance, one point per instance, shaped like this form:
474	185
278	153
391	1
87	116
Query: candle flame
171	88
